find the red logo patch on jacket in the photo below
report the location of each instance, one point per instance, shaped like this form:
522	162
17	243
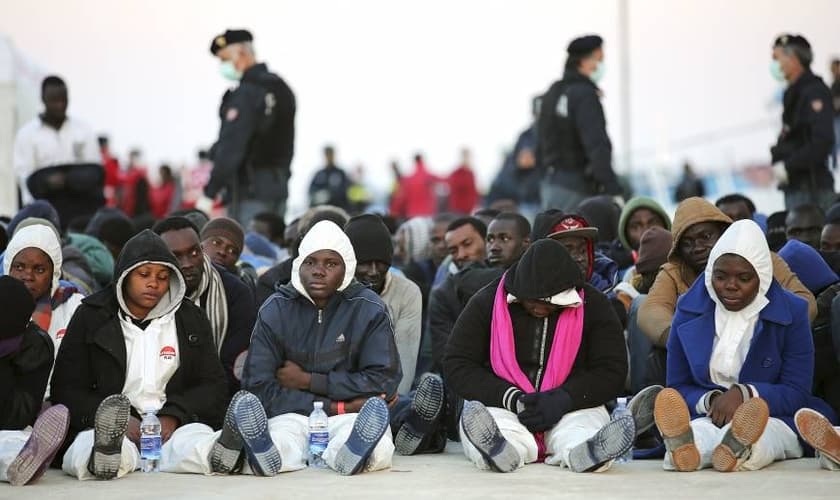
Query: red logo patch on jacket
167	352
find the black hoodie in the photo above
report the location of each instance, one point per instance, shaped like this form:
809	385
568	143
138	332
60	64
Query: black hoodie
91	362
544	270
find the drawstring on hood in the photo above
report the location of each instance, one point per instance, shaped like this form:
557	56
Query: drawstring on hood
147	248
325	235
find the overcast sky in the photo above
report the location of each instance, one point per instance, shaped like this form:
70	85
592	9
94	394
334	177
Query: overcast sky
383	79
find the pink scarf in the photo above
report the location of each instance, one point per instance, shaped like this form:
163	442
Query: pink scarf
564	349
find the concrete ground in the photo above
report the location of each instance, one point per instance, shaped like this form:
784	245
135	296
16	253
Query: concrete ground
450	475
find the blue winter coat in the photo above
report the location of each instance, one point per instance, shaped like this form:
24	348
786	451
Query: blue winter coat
779	363
348	347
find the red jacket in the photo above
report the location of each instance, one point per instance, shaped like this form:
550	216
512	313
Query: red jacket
415	194
463	195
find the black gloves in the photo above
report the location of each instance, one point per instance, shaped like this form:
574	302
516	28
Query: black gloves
544	409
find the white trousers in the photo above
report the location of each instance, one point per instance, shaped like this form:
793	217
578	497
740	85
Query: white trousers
11	442
778	442
825	462
77	457
188	450
574	428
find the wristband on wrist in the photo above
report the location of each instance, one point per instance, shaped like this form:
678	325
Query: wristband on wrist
339	408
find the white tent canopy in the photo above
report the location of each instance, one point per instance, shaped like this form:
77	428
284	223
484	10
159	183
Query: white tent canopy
20	81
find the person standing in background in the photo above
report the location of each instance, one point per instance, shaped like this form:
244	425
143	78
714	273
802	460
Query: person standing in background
112	171
463	195
574	149
835	101
330	184
52	138
253	155
801	154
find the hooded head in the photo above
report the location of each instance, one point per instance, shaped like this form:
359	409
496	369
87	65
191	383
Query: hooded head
574	233
143	249
639	215
697	226
546	272
809	266
43	237
740	270
653	250
41	209
412	240
373	247
603	213
315	285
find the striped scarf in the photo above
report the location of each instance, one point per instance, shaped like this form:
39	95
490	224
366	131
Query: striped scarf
42	316
210	297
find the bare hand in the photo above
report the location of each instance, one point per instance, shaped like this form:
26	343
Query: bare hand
133	431
723	406
167	427
292	376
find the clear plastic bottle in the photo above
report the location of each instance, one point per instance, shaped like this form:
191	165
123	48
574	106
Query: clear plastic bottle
620	411
319	435
150	441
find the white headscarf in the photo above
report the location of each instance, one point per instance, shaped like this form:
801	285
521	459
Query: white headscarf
42	237
325	235
734	329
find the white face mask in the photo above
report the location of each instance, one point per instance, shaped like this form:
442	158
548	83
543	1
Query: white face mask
229	71
598	74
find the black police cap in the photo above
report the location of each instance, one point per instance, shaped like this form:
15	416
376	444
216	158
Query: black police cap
229	37
788	39
585	45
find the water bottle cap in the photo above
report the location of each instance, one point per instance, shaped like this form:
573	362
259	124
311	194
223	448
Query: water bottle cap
319	405
151	410
622	401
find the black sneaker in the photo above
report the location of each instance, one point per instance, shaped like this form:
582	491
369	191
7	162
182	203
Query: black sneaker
426	412
226	454
481	430
109	428
641	407
609	443
252	425
371	423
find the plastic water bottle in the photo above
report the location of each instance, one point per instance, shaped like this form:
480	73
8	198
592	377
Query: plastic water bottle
150	441
620	411
319	435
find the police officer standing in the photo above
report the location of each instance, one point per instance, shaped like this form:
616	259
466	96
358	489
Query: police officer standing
574	149
801	154
252	157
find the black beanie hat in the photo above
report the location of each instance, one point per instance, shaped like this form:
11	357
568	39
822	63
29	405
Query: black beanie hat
18	304
545	270
226	228
370	238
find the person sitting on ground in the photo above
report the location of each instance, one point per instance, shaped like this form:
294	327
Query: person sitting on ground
824	283
289	369
697	226
113	228
736	207
220	294
830	238
281	274
525	404
465	238
776	230
603	213
34	257
223	240
102	370
273	228
740	363
639	215
646	363
374	251
26	358
805	223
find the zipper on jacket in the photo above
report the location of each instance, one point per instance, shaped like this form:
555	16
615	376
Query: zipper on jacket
320	316
542	354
